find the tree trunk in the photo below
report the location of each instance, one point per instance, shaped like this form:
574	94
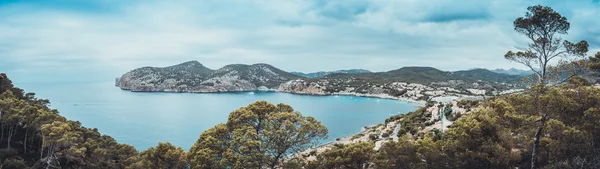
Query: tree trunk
10	133
25	142
274	163
536	142
2	136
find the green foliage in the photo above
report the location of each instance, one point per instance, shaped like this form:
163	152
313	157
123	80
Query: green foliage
454	117
355	155
414	121
293	164
255	136
35	135
479	141
164	155
400	155
465	104
14	164
394	118
487	75
357	136
543	26
436	134
594	62
498	135
374	137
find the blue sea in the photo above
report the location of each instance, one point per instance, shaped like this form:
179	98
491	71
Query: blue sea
143	119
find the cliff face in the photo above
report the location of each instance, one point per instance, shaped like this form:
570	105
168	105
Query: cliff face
194	77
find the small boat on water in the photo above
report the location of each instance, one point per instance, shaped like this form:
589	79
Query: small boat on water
251	93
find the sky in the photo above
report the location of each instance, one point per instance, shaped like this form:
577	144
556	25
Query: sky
106	38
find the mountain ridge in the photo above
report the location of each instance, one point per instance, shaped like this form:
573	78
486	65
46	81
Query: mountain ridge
192	76
414	83
513	71
324	73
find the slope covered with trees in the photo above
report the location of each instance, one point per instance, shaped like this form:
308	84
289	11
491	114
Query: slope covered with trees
495	135
34	135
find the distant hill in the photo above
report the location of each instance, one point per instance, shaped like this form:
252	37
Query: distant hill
513	71
413	83
324	73
487	75
426	75
421	75
194	77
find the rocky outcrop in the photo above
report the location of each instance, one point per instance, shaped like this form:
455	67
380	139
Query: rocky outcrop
302	87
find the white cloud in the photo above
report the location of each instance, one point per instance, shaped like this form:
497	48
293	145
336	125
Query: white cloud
295	35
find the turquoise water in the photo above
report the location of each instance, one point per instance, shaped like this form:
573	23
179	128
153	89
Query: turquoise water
144	119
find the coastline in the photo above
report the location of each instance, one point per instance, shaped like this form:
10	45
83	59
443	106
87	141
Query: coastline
379	96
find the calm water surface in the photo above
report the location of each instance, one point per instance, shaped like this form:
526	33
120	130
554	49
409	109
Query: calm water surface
144	119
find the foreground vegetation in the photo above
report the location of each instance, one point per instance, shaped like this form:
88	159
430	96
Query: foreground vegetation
497	135
494	135
259	135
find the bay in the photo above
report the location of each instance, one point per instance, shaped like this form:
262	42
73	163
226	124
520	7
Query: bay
143	119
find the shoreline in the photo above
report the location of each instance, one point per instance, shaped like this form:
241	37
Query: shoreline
379	96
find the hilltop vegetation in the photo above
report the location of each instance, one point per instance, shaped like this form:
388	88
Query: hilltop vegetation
487	75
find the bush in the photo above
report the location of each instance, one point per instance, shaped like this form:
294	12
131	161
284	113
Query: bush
357	136
413	131
7	154
394	118
467	103
430	104
374	137
401	132
454	117
14	164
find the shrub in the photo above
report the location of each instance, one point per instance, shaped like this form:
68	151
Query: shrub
374	137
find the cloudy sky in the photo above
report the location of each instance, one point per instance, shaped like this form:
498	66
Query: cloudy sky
109	37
